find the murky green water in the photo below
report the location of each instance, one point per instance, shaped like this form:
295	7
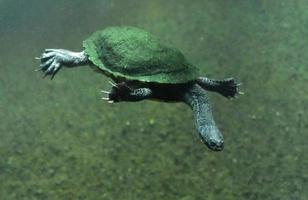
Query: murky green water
58	140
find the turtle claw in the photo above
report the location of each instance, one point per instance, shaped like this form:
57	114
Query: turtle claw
107	99
38	69
108	93
239	92
50	50
113	84
105	92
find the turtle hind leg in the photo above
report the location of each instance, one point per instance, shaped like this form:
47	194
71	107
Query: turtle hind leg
226	87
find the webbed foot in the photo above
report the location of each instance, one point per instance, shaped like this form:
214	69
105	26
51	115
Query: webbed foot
226	87
117	93
122	92
52	60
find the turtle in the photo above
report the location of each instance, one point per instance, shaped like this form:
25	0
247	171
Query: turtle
142	67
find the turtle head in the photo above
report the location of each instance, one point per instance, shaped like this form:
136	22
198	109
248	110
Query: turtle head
210	135
212	138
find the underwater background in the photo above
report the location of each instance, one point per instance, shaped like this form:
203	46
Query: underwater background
59	140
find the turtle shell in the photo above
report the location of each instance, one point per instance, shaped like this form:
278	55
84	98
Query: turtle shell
134	54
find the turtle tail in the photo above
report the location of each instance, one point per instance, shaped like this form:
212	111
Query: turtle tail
197	99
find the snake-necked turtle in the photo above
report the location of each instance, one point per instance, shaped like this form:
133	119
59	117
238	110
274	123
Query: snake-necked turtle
144	68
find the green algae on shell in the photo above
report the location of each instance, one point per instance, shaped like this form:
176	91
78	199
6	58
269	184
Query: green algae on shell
134	54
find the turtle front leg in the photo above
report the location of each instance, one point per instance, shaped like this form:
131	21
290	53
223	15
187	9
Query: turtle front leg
226	87
53	59
122	92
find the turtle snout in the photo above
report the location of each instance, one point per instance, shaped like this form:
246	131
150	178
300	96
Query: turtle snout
216	145
212	138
